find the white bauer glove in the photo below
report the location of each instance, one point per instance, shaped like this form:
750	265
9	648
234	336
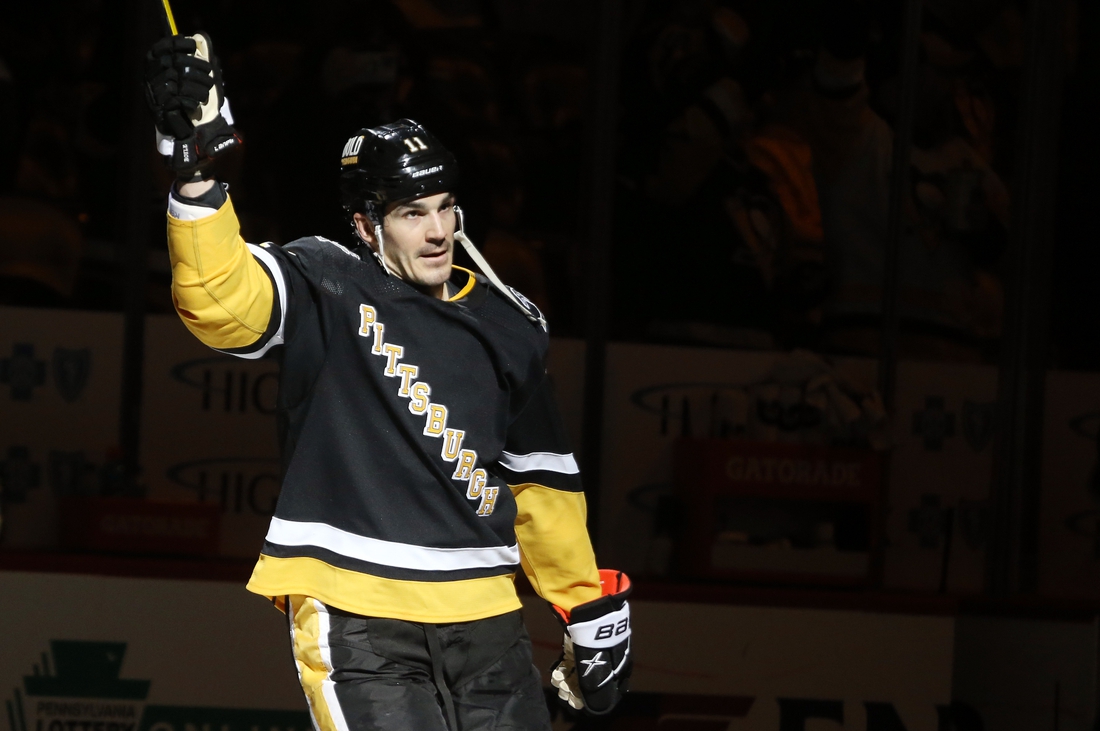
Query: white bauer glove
594	669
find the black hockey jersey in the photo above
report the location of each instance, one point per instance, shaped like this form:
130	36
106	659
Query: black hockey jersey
421	444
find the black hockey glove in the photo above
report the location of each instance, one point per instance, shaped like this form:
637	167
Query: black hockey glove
594	668
183	86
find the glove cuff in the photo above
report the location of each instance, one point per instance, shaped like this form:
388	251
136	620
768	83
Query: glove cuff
616	588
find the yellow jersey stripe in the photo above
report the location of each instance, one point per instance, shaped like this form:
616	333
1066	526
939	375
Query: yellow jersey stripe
438	602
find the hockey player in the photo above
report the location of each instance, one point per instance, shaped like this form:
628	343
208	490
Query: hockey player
424	459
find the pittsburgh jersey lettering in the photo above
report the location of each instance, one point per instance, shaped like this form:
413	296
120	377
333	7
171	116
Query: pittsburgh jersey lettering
419	402
467	458
379	328
367	316
477	484
488	500
435	422
452	444
407	373
393	353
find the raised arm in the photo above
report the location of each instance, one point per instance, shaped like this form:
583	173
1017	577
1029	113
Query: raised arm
229	294
223	289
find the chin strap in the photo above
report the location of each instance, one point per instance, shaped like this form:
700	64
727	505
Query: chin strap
380	252
531	313
380	255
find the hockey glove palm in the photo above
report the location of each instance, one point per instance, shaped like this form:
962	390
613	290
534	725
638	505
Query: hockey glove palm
183	87
595	666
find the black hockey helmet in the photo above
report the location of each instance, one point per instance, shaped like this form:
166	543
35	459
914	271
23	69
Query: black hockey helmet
393	162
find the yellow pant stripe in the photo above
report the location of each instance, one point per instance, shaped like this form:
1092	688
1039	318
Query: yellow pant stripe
309	636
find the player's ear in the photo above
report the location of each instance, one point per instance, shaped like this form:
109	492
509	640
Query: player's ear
366	229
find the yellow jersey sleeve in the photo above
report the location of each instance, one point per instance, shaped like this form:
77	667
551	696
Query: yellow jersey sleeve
555	550
222	294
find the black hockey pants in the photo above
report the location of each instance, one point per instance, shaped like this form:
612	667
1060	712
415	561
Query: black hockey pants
361	673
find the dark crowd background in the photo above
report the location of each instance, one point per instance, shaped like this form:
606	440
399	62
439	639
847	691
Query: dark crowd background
744	177
752	159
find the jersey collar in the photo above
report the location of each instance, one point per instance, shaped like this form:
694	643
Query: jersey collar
471	280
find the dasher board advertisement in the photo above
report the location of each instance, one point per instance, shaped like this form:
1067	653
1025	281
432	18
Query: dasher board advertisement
659	396
144	655
162	655
208	432
60	393
1069	518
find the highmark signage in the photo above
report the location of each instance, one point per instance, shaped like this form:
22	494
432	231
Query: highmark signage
75	686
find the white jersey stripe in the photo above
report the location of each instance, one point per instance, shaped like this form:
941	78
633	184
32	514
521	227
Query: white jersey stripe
388	553
547	461
280	289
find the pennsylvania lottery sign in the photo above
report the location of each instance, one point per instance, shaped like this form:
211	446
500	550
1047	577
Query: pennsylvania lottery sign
96	653
75	686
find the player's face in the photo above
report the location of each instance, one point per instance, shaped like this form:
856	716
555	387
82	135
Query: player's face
420	241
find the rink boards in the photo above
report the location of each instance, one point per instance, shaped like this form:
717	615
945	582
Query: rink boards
89	653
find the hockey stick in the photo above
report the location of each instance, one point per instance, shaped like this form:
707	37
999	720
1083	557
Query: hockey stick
169	18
